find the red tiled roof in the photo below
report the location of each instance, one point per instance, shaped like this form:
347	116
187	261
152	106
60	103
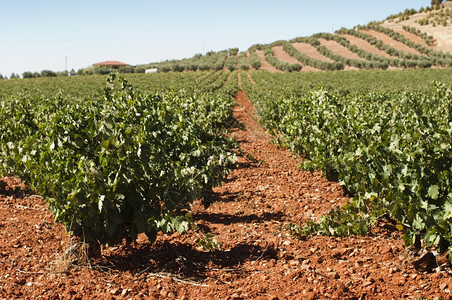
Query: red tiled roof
110	63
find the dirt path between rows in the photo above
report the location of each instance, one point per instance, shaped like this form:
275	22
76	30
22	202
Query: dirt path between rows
414	38
391	42
264	64
257	259
338	49
284	56
365	45
311	51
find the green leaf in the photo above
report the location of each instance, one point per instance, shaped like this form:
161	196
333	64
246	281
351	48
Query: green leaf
387	171
418	223
101	202
447	210
432	238
433	192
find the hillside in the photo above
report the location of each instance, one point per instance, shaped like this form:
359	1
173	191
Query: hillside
442	35
408	40
421	40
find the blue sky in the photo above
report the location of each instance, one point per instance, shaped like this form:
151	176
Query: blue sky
39	34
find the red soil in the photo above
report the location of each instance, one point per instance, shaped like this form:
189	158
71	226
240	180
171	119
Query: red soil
258	258
338	49
393	43
414	38
264	64
284	56
311	51
363	44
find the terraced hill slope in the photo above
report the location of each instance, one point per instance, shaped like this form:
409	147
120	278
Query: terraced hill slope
419	40
408	40
437	23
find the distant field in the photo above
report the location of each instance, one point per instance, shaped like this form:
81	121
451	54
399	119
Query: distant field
364	80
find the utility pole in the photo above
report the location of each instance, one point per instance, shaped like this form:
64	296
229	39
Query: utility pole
65	63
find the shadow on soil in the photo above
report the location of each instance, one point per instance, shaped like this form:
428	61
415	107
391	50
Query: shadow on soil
15	190
224	197
184	261
226	219
236	125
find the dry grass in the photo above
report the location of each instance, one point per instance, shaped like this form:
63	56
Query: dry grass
75	255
